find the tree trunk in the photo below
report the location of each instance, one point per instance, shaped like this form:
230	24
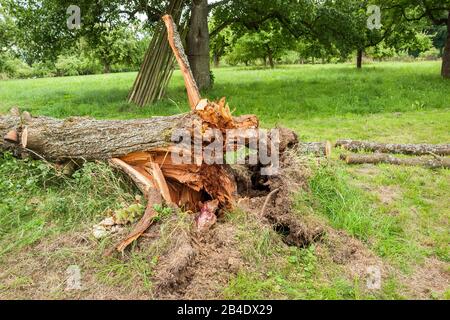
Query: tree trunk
90	139
270	56
445	72
216	60
413	149
359	58
107	68
198	44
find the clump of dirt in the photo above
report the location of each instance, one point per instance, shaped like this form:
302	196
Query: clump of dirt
173	273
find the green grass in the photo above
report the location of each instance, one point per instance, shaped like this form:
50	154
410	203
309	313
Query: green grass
389	102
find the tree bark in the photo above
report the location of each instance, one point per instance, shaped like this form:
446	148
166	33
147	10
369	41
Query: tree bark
413	149
376	158
89	139
359	57
445	72
198	44
107	68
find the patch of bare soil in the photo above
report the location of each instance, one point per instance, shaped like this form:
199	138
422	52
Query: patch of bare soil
389	194
428	279
367	170
354	255
199	264
41	272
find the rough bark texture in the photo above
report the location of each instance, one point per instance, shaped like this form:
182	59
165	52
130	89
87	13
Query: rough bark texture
445	72
89	139
386	158
198	43
413	149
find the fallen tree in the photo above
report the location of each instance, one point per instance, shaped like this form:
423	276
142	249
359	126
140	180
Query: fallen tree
143	150
411	149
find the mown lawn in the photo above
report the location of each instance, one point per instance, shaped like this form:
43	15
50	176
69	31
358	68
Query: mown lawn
400	214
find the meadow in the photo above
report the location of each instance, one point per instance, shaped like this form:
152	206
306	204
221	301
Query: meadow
398	215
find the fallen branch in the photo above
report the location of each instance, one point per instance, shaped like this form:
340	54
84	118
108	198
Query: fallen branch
412	149
385	158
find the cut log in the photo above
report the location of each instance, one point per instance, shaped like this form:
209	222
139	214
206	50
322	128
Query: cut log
318	149
412	149
436	162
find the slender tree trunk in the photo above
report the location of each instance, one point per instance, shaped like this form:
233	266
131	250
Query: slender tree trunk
216	60
359	58
445	72
107	68
198	44
270	56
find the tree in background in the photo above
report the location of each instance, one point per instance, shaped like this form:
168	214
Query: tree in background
435	12
220	44
268	43
113	45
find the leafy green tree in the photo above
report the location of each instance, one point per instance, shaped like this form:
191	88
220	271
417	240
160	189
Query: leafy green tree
435	12
112	45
